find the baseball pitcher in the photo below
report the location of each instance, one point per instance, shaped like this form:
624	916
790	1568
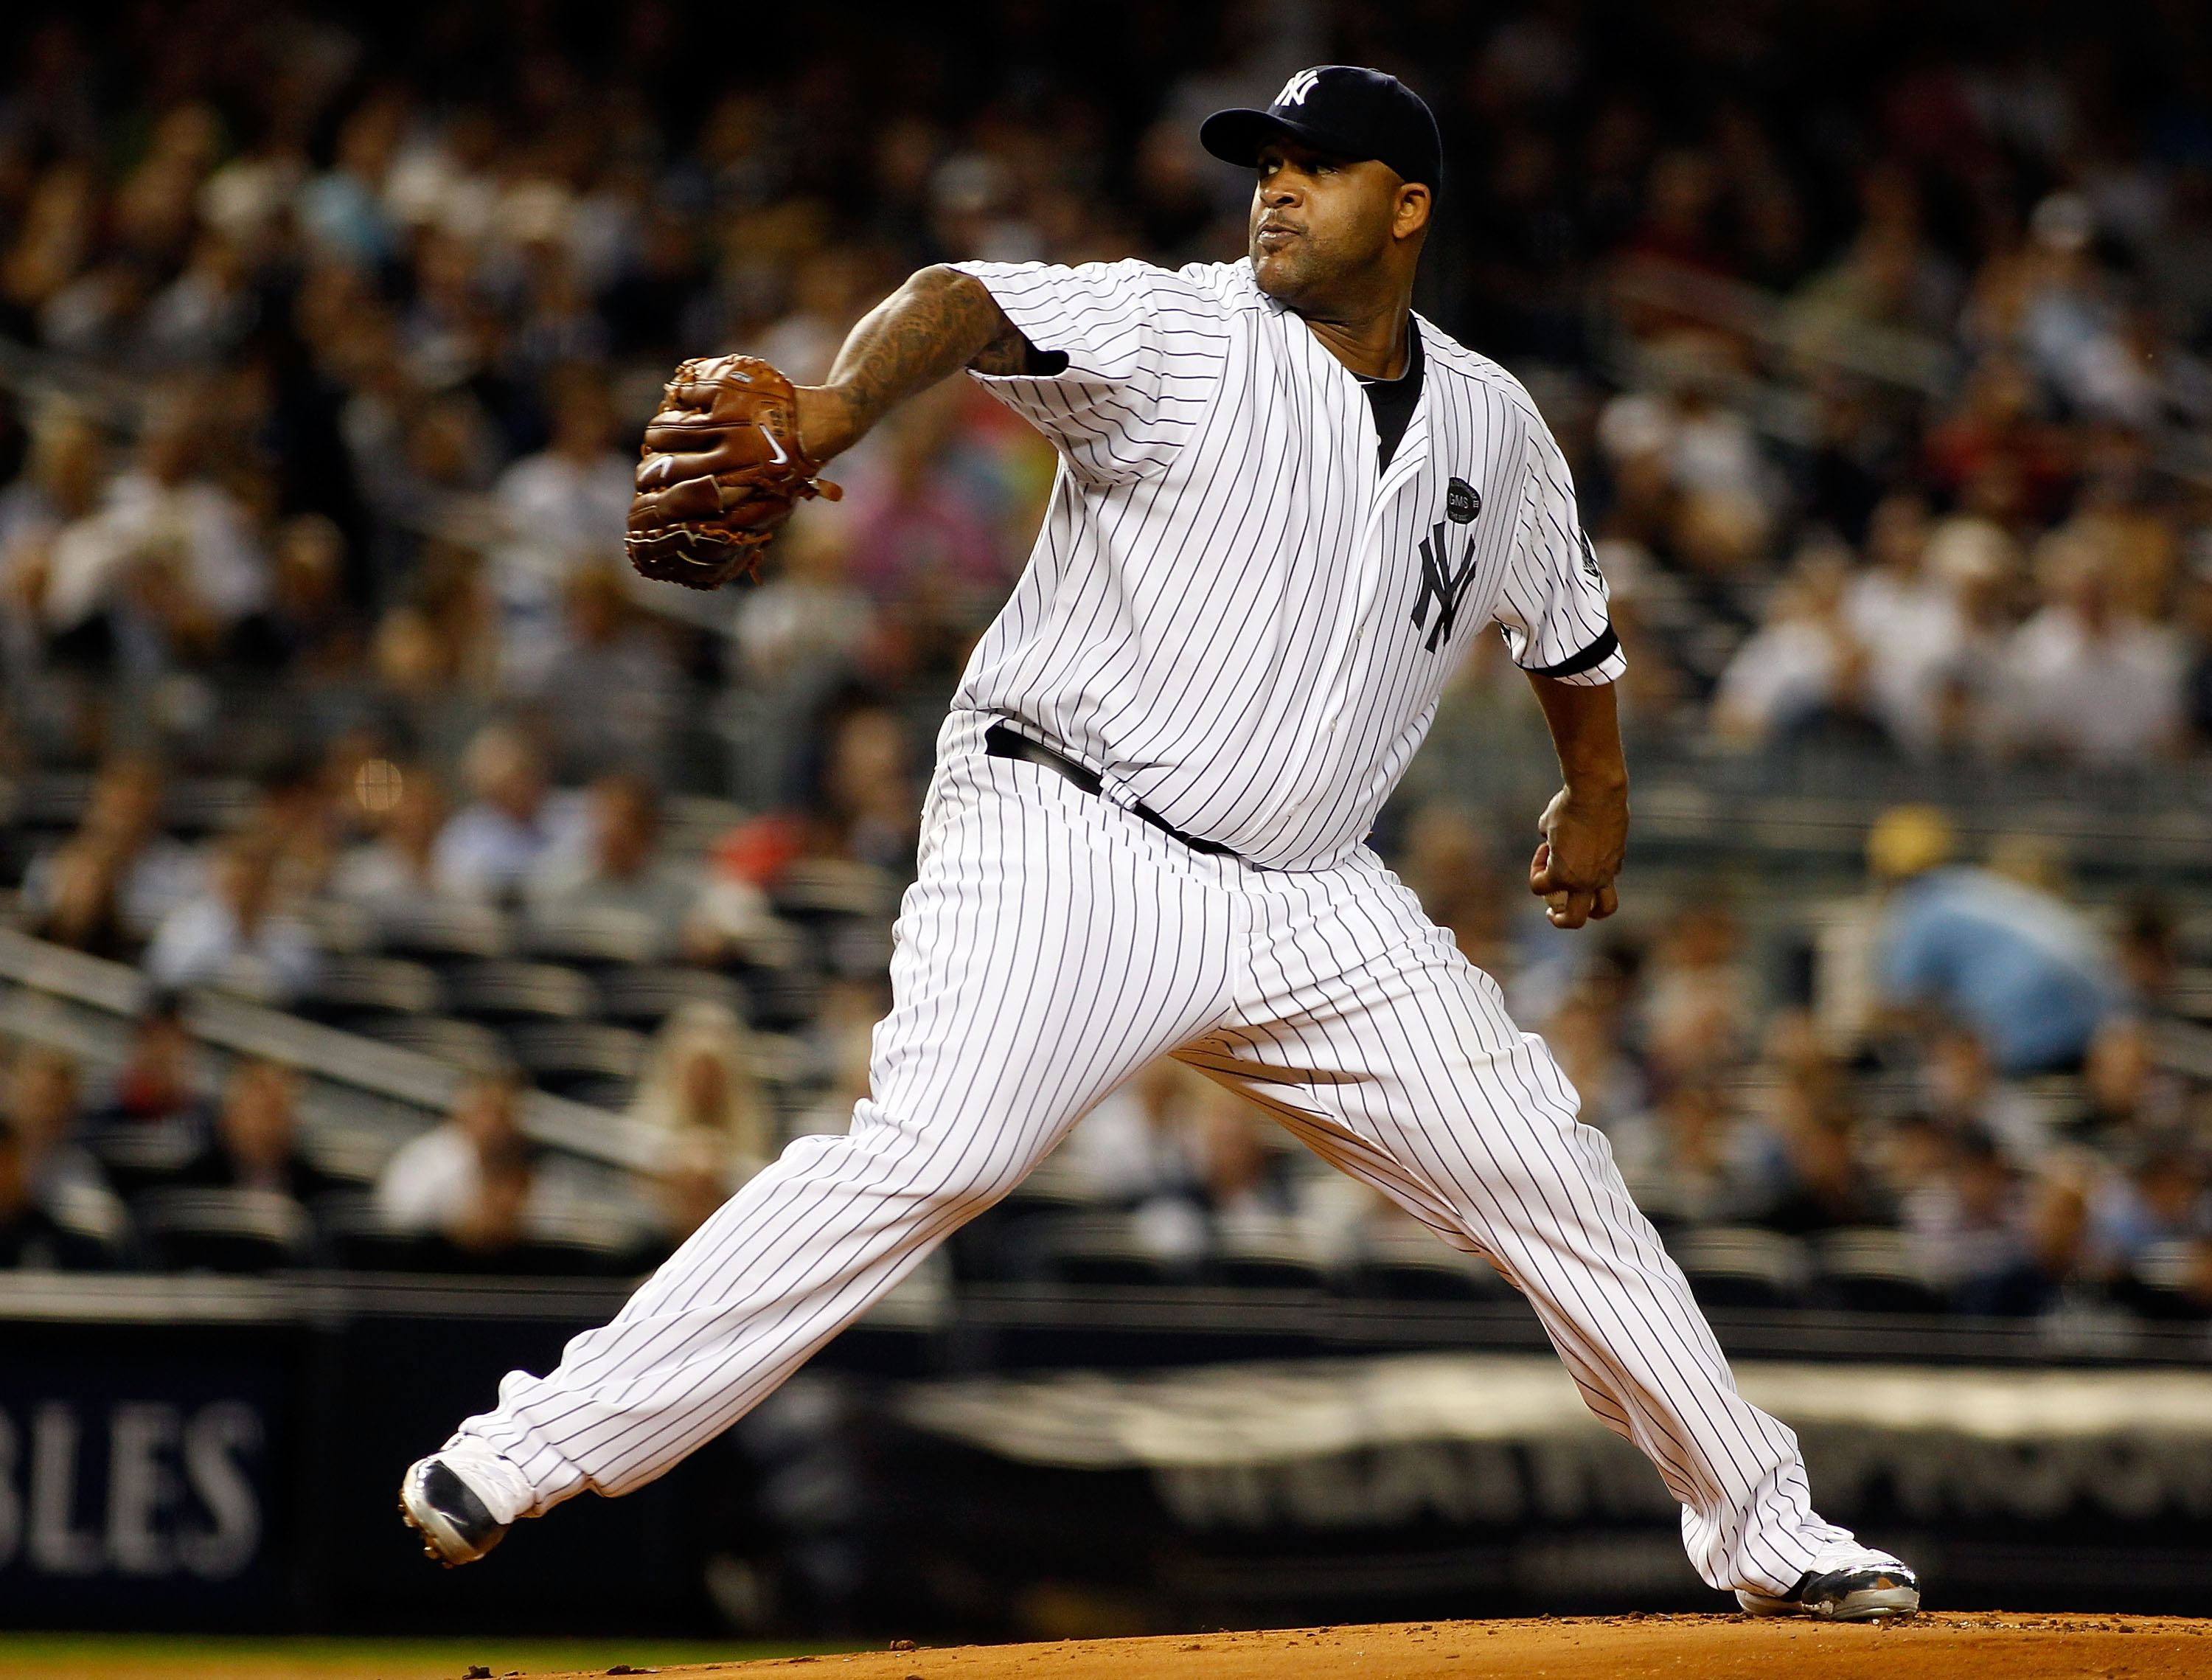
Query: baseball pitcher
1285	506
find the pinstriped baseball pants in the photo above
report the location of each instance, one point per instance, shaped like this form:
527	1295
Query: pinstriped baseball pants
1053	945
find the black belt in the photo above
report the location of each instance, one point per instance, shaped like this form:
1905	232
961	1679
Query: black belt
1000	742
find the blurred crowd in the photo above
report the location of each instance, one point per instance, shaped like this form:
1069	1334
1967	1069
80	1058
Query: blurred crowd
1880	342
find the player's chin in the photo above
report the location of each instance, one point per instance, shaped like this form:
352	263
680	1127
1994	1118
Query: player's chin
1279	272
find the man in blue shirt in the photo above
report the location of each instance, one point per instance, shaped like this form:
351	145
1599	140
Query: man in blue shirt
2019	967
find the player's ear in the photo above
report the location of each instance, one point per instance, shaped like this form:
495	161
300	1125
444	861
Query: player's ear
1414	204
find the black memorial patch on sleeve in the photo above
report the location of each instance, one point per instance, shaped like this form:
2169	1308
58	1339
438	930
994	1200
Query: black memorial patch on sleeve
1462	502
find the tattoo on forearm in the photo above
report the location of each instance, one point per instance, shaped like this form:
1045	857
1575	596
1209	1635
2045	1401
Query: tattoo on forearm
941	321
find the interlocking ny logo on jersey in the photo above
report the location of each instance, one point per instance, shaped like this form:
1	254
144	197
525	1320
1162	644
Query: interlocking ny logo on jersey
1295	89
1440	584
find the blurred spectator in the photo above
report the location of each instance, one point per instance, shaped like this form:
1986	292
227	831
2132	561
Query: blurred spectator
617	866
2147	948
1825	1184
119	874
804	625
1145	1141
491	1217
693	1183
1688	1160
842	1037
2159	1198
570	502
1905	619
1450	868
1247	1186
1697	457
1697	994
434	1181
565	510
30	1237
234	935
61	485
1587	1033
923	535
437	655
1962	1093
2015	965
1805	673
488	848
77	897
307	629
158	1079
606	694
43	1114
1999	1243
205	313
699	1085
1995	453
1192	1160
342	210
171	556
400	865
2084	680
1963	1218
256	1144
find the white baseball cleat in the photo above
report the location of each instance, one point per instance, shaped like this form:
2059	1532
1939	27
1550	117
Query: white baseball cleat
456	1525
1847	1582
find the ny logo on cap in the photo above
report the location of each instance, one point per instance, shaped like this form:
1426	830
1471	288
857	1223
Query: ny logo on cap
1295	89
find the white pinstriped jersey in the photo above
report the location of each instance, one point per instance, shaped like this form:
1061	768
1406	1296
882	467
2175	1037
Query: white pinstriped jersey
1238	624
1230	613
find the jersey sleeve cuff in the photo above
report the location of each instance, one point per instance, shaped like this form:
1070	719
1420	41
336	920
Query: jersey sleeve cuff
1601	662
1032	310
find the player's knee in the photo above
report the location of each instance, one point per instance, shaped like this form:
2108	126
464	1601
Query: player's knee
950	1170
967	1187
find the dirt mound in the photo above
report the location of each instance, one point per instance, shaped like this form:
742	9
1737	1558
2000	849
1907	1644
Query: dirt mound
1988	1646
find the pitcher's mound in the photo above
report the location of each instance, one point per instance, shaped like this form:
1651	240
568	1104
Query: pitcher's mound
1988	1646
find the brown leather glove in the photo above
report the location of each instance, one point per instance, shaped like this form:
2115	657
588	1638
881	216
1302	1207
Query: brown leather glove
720	472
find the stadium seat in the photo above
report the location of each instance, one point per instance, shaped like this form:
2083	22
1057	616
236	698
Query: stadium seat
588	1061
352	987
1869	1269
2159	1284
351	1236
346	1152
340	929
511	991
1273	1254
222	1230
583	1244
856	947
647	996
580	1245
1741	1265
201	805
783	997
592	935
94	1226
1107	1248
140	1154
55	802
467	1044
1404	1261
819	886
442	929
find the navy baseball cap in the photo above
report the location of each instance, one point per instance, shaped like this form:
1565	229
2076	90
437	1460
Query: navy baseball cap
1342	109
